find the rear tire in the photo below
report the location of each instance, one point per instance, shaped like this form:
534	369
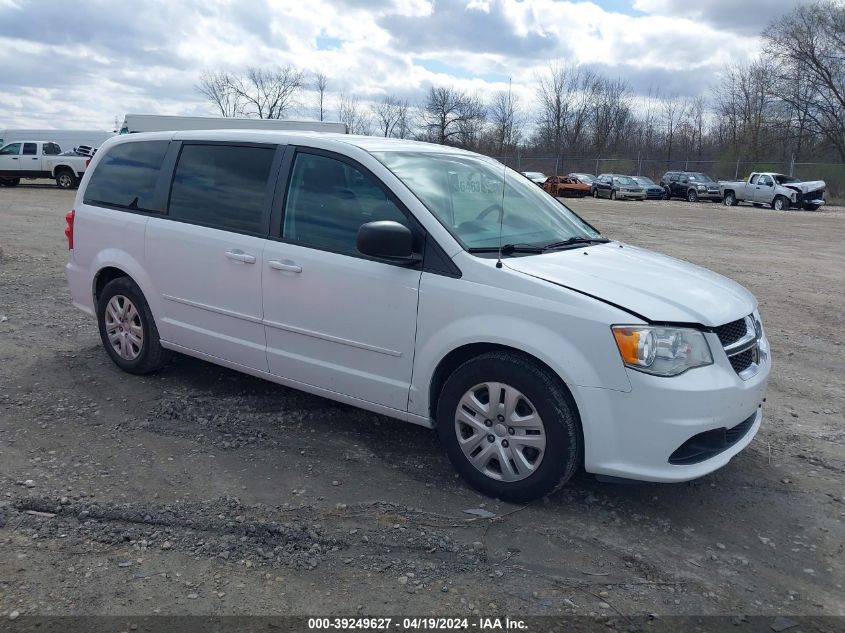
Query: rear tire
66	179
533	423
127	328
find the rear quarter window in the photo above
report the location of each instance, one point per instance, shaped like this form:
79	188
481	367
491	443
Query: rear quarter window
126	176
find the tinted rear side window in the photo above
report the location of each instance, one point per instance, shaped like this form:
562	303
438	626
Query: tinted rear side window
126	176
223	186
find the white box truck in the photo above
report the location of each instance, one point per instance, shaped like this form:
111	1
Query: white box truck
134	123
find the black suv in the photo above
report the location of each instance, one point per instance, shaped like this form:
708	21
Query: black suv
690	185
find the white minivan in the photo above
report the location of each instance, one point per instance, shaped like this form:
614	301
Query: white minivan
425	283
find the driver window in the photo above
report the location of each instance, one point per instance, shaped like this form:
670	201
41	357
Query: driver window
766	181
328	201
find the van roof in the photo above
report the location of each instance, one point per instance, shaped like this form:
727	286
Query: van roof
293	137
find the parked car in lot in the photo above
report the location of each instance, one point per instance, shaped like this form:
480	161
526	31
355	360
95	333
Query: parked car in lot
566	187
39	159
653	191
615	186
537	177
692	186
425	283
778	191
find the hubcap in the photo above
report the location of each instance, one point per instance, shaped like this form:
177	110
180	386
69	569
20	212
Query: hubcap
64	180
513	447
123	327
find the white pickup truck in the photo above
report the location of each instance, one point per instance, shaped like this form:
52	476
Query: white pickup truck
39	159
778	191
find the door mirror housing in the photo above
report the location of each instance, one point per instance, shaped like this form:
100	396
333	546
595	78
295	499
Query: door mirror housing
387	240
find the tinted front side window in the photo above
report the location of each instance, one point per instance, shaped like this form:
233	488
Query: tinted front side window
126	176
11	150
222	186
328	202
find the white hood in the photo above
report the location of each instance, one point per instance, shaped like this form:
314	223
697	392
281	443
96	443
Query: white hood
658	287
806	187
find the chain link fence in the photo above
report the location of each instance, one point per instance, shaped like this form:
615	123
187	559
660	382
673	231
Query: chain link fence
832	173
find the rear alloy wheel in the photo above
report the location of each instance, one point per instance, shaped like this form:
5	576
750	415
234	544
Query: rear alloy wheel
780	204
509	427
692	195
65	180
127	328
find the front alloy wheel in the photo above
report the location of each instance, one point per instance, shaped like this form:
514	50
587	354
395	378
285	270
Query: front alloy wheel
692	195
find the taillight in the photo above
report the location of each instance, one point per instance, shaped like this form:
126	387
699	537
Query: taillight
69	216
87	162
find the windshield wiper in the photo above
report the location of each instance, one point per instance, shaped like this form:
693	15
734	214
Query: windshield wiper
574	241
508	249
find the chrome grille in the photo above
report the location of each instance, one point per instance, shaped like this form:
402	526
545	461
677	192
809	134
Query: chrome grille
741	341
731	332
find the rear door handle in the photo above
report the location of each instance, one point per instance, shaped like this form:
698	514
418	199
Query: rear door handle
287	266
239	256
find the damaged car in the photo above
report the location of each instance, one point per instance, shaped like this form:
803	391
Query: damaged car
779	191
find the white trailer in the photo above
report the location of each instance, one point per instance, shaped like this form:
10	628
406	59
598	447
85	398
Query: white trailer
160	123
67	139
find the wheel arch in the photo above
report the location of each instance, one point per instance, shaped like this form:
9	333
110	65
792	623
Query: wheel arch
63	167
458	356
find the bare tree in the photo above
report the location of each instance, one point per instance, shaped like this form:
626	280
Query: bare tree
565	93
390	115
673	111
217	86
505	120
808	45
349	111
610	112
321	83
451	116
268	93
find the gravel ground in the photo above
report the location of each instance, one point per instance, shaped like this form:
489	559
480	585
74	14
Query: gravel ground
199	490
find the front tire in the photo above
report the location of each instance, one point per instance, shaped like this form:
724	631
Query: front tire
730	199
127	328
596	194
667	194
509	427
613	194
780	204
11	182
692	195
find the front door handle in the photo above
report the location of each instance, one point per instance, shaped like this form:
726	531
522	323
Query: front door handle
287	266
239	256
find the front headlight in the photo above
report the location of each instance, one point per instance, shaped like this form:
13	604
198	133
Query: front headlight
662	351
701	188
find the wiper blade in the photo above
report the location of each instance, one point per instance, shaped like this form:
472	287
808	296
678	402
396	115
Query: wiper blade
574	241
508	249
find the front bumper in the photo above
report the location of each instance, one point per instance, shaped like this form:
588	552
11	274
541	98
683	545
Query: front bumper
631	195
634	434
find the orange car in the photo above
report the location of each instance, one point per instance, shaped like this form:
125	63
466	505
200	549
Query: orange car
566	186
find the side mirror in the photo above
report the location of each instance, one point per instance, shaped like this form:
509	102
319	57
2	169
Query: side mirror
387	240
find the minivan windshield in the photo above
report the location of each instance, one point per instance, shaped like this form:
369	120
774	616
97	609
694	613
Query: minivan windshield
464	192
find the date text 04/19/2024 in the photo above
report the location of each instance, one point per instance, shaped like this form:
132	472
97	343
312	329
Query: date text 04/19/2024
421	623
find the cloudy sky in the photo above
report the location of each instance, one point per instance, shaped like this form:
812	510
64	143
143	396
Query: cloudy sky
81	63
